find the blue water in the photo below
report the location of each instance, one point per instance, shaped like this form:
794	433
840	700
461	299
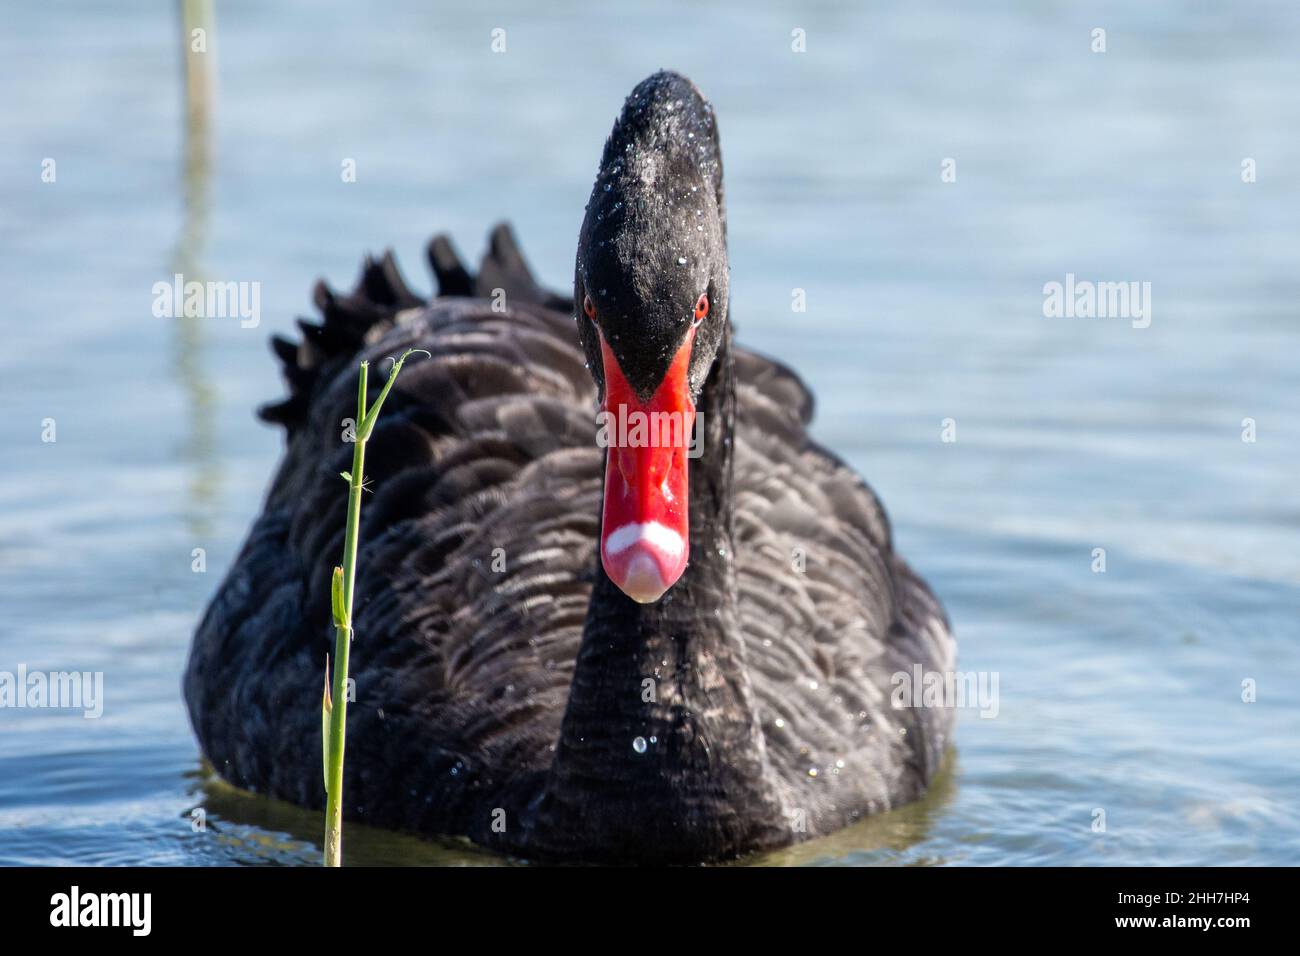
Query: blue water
1120	692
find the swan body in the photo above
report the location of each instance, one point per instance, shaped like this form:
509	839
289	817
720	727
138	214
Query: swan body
514	683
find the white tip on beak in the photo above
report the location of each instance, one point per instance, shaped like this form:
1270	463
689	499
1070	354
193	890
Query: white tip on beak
643	583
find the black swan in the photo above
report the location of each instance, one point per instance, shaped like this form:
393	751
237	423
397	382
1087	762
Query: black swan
636	653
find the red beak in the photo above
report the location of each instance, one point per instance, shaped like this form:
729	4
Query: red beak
644	533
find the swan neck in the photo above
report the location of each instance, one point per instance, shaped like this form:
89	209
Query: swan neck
660	736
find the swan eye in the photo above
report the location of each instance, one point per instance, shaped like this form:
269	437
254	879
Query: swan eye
701	307
589	307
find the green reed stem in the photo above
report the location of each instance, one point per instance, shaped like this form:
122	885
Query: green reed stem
335	705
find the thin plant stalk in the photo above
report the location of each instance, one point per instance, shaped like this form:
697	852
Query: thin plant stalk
334	718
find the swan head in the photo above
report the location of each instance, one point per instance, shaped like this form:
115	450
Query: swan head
651	296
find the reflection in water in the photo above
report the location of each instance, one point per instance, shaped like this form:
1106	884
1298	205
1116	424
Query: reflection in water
253	829
199	448
883	838
256	830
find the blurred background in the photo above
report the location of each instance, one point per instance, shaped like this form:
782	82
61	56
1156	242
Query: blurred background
1119	691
